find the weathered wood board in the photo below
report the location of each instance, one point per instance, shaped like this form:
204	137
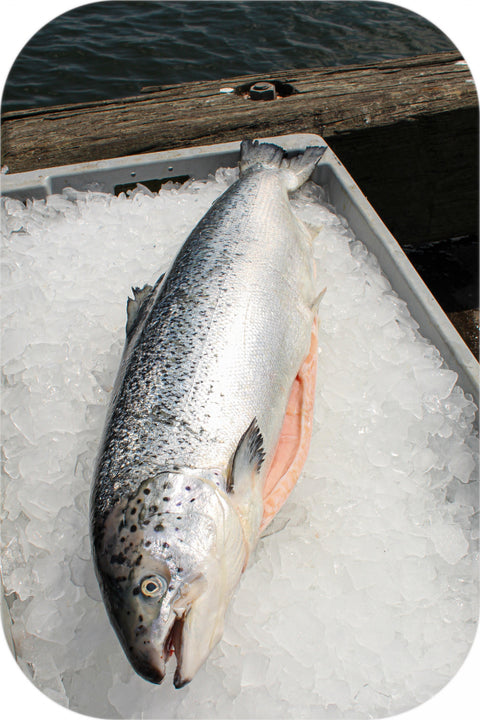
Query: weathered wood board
407	130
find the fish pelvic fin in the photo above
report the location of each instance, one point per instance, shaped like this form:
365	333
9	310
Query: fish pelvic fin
296	169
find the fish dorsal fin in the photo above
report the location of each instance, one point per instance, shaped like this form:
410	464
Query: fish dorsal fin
137	305
134	305
247	459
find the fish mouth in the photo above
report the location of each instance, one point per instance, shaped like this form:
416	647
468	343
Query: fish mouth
176	643
151	666
172	644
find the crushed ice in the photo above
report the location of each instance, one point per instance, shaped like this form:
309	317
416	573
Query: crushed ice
363	593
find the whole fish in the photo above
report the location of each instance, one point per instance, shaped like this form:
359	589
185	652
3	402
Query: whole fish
210	417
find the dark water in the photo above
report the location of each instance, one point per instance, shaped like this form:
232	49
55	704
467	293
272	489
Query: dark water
112	49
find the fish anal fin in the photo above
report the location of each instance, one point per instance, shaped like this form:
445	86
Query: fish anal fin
247	459
294	442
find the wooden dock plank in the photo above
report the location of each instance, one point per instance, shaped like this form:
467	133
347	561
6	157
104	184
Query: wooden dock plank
329	101
406	129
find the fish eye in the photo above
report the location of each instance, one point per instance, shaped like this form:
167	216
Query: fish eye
153	586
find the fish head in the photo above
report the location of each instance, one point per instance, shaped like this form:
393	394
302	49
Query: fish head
165	571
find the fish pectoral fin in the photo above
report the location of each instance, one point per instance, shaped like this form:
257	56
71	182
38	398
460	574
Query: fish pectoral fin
247	460
138	304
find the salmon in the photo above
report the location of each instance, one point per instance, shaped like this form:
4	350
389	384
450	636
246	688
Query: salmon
210	417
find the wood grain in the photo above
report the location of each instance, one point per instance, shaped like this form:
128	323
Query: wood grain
407	130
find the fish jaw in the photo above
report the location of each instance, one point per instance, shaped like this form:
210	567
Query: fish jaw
150	669
149	664
203	609
200	628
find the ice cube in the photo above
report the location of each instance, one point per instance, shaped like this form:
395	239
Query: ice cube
436	383
462	464
450	542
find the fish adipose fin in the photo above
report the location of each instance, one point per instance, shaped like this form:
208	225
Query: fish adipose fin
247	459
292	448
296	170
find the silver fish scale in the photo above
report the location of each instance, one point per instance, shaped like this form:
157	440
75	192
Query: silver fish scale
221	345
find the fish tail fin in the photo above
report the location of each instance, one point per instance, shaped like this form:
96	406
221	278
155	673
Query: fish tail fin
296	170
265	154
